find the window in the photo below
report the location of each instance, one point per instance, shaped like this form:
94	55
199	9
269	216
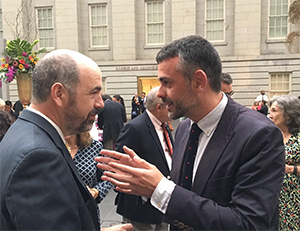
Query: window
45	27
215	20
278	18
1	25
280	84
155	22
98	25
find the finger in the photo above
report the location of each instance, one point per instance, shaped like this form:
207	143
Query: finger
129	151
113	154
105	167
122	185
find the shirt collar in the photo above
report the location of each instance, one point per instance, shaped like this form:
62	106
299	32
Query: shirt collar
49	120
154	120
209	123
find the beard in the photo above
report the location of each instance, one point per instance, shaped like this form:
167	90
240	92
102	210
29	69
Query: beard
74	123
183	105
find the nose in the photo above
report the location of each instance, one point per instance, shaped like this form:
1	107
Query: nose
161	93
98	101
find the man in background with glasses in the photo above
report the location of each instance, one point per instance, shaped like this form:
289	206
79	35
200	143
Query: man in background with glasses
226	84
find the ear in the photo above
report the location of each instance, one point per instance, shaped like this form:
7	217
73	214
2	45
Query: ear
200	79
158	107
59	94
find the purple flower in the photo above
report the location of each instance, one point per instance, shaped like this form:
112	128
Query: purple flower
27	66
10	75
0	83
24	53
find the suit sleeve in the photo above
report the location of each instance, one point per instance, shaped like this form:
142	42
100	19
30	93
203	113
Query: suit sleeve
40	195
254	190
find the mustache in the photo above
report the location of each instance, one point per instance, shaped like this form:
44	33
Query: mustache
166	100
95	111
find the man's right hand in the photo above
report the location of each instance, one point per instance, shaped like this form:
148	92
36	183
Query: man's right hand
122	227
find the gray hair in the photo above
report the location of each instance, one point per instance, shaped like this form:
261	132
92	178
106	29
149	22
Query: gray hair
152	100
290	105
59	67
226	78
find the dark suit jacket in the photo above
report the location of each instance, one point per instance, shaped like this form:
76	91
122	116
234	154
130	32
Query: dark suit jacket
238	180
111	119
140	135
40	186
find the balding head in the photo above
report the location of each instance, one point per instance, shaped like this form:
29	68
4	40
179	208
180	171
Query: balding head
61	66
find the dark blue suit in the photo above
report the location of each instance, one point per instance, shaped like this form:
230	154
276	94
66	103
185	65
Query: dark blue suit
40	186
239	177
140	135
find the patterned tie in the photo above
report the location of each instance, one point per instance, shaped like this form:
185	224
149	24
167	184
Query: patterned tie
189	158
167	138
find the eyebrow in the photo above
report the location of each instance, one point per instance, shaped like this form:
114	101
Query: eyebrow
162	78
97	88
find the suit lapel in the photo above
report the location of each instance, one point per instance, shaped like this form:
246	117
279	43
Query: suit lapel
55	137
215	147
181	138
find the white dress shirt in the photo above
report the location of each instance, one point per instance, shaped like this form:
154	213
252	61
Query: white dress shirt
162	193
160	133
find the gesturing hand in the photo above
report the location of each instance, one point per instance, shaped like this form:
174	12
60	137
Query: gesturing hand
129	172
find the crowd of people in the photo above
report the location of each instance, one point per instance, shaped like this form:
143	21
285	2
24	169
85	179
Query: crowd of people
227	168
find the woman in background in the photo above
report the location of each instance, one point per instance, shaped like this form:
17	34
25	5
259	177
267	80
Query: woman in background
119	99
83	150
285	113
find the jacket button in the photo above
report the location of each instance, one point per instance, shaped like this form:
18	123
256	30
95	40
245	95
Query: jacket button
175	223
180	225
88	202
168	177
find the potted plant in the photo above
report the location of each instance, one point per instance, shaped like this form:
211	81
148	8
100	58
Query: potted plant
18	63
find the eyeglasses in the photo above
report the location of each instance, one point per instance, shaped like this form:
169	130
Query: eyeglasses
229	93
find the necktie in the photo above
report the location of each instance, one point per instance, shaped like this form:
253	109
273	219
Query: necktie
167	138
189	158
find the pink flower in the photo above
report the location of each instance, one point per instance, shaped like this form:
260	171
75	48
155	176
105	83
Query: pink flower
27	66
15	63
24	53
0	83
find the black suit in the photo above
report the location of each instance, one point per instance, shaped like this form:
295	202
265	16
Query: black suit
140	135
111	119
238	180
40	186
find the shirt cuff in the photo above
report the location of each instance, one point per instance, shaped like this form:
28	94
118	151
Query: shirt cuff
162	194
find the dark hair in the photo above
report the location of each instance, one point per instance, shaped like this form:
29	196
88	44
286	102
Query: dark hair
5	122
60	68
290	105
120	99
194	53
226	78
8	103
106	96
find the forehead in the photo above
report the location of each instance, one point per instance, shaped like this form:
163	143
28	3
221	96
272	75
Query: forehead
90	76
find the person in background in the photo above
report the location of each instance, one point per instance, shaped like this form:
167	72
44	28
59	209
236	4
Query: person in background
119	99
18	107
5	122
285	113
8	108
111	120
143	102
228	160
149	136
40	187
2	104
262	96
83	150
226	84
263	107
135	106
255	106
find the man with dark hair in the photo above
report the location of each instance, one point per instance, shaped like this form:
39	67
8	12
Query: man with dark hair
111	120
228	162
8	108
226	84
148	135
39	183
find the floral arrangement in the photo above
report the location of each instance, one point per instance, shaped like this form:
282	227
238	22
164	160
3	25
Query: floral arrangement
18	58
